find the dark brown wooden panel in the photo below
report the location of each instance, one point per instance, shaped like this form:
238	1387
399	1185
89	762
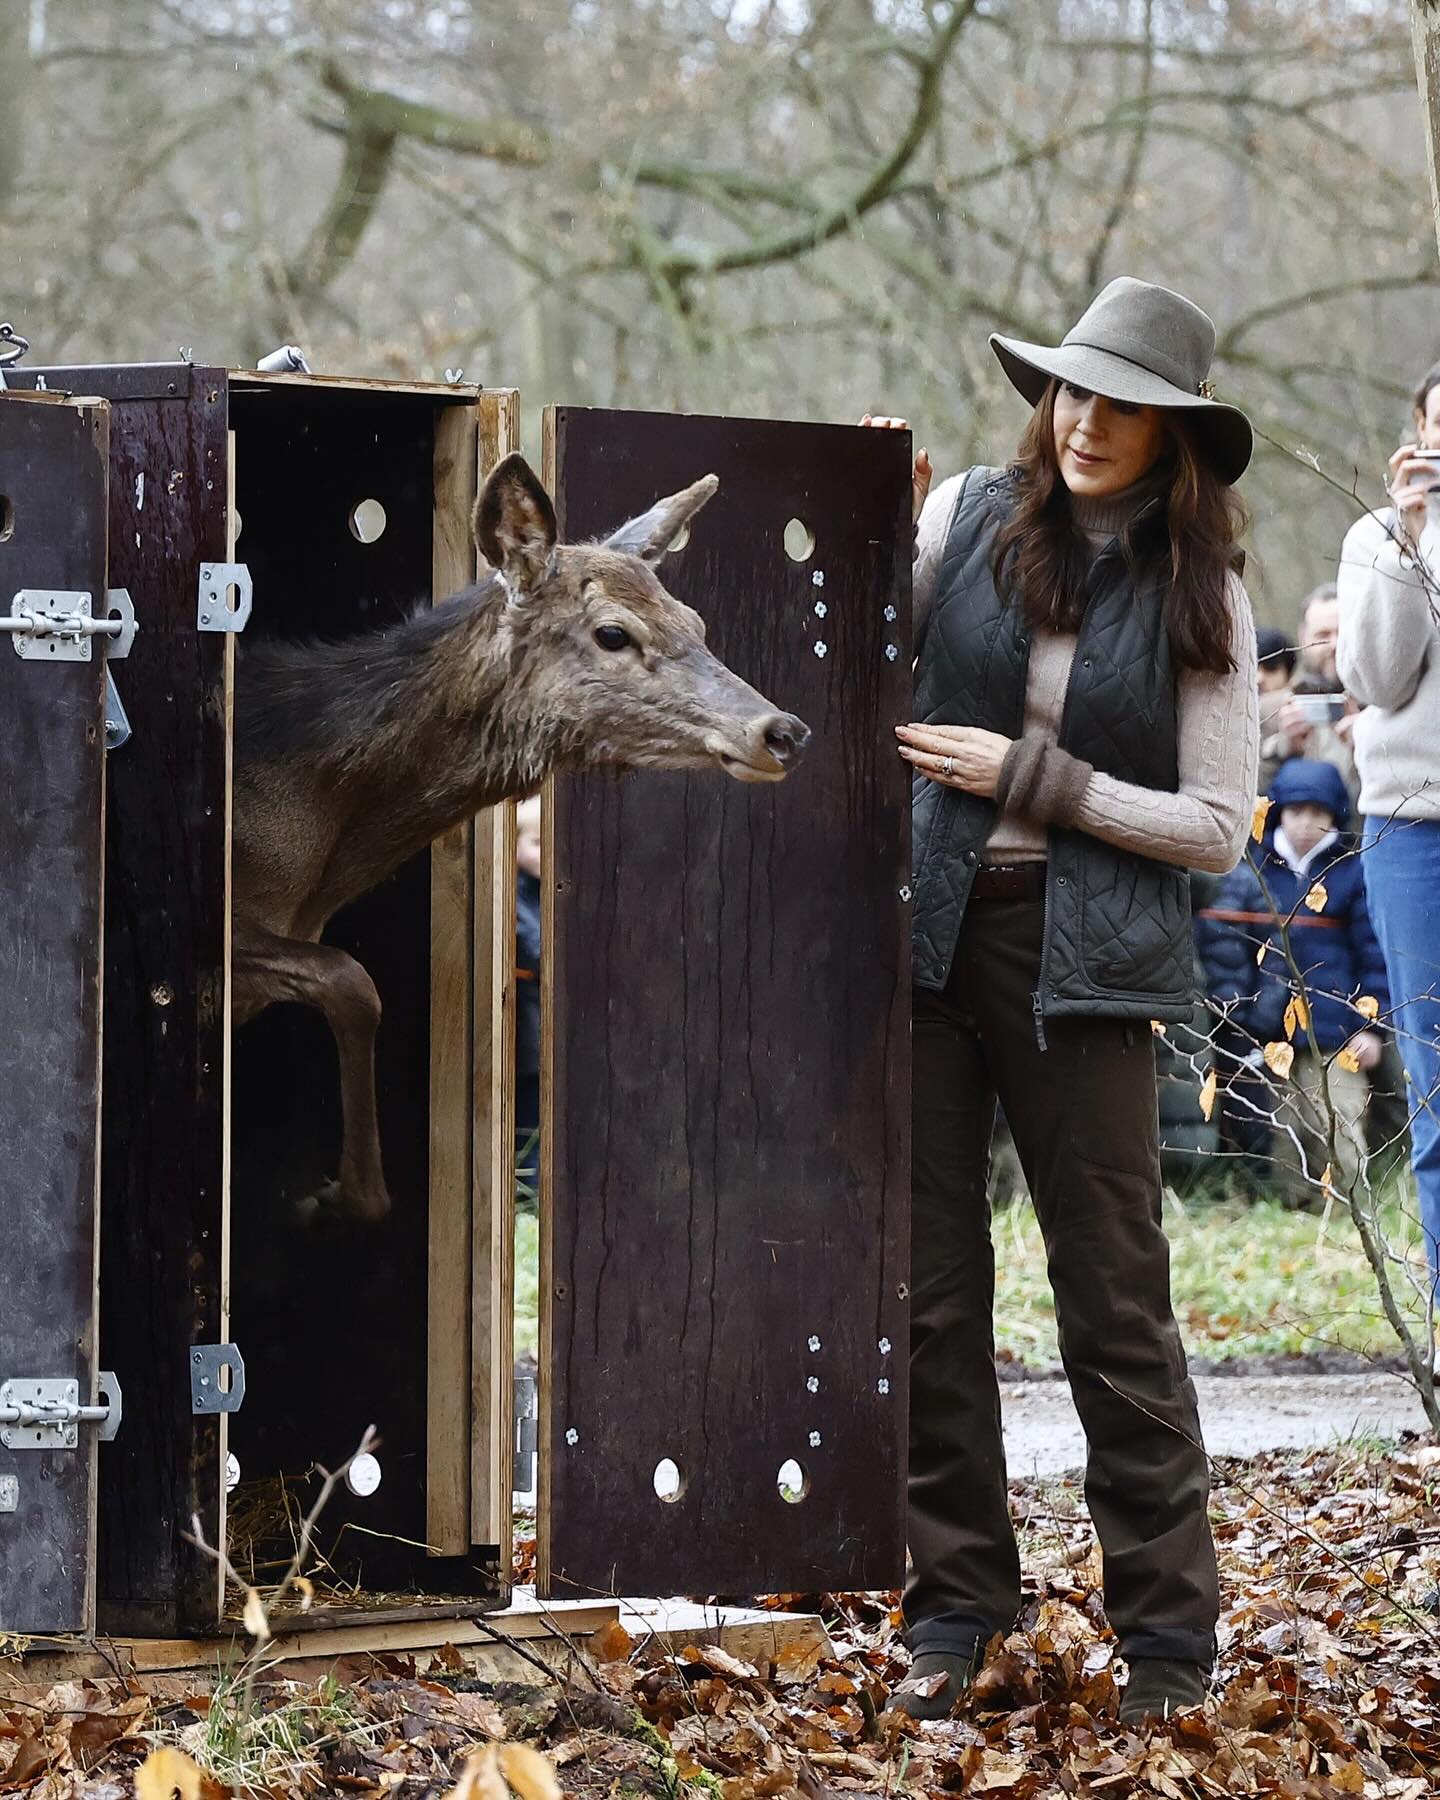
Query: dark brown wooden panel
167	857
52	535
728	1213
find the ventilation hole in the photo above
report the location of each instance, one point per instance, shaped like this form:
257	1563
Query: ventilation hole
667	1483
799	541
680	539
232	597
7	517
367	521
792	1481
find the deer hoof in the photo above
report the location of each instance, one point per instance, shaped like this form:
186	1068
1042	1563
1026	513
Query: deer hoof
338	1203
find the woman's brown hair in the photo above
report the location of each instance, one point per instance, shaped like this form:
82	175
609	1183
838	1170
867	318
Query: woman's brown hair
1042	558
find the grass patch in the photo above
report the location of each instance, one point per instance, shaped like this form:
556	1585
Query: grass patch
1249	1278
255	1746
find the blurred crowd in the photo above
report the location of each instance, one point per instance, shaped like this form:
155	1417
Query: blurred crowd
1312	1063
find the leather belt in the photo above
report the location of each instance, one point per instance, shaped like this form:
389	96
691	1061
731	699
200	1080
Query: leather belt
1009	881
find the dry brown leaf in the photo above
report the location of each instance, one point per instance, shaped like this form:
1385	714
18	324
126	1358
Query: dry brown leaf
1327	1183
1317	897
1262	812
1348	1060
1207	1095
530	1774
612	1643
1280	1059
1261	954
255	1619
1297	1015
92	1735
721	1662
307	1592
1368	1007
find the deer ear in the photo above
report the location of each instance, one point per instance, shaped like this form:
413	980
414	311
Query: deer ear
653	532
514	524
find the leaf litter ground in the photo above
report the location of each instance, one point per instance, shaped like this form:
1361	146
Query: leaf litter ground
1328	1685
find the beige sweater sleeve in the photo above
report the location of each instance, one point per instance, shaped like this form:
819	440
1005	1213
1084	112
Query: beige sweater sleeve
1204	825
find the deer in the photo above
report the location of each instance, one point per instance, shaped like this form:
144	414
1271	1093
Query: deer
350	757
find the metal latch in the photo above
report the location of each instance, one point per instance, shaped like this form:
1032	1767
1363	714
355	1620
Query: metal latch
213	608
208	1362
57	624
45	1413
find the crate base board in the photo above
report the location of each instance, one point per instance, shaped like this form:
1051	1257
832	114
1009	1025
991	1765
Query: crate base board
551	1630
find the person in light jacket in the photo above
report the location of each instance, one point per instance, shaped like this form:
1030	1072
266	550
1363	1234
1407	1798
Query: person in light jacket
1388	656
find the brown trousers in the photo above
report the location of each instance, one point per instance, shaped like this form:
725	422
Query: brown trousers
1083	1116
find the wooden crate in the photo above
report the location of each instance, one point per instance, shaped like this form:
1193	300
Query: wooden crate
725	992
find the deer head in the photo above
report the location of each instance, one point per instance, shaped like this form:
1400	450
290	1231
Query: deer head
604	646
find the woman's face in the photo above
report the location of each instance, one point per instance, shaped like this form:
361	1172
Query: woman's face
1104	446
1427	423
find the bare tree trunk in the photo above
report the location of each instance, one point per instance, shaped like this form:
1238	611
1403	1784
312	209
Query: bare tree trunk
1425	37
16	75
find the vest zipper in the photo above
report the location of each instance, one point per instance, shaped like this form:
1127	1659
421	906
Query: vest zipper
1038	1008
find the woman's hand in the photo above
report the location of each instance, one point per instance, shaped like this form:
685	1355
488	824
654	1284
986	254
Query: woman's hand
923	475
1367	1048
1410	481
958	756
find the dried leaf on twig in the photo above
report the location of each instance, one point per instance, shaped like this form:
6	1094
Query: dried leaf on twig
1207	1095
1280	1059
1317	897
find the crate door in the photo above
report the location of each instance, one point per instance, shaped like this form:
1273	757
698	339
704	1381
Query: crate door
52	823
723	1278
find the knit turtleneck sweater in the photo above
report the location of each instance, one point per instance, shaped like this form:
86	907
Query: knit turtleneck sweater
1204	825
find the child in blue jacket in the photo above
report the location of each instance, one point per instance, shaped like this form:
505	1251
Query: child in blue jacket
1307	852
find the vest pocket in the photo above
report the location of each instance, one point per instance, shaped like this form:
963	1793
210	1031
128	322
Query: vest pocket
1134	934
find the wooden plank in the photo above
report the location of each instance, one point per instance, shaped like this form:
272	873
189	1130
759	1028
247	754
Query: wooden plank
464	394
550	1103
545	1628
493	1249
725	1277
452	1066
53	464
163	1168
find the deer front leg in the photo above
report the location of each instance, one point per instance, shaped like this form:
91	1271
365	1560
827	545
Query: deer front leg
267	968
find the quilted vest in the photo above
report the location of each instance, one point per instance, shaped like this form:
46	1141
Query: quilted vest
1117	925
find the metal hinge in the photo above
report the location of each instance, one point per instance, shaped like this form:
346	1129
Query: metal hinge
214	610
207	1364
45	1413
57	625
527	1434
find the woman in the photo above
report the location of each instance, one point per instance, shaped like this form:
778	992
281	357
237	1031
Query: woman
1086	731
1388	656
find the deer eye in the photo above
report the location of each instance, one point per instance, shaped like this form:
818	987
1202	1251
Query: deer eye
613	637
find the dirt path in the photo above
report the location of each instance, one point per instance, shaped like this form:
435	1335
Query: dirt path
1242	1415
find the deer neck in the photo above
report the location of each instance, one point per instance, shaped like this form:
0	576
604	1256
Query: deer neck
460	731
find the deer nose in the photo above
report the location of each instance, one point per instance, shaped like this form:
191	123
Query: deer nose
785	737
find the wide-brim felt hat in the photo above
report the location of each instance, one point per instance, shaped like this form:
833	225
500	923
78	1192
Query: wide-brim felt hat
1147	346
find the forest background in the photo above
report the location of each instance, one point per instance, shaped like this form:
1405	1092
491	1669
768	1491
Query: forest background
793	208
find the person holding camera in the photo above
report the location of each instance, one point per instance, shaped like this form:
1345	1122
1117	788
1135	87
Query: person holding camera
1086	730
1388	656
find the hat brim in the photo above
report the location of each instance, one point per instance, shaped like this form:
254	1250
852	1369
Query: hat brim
1225	431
